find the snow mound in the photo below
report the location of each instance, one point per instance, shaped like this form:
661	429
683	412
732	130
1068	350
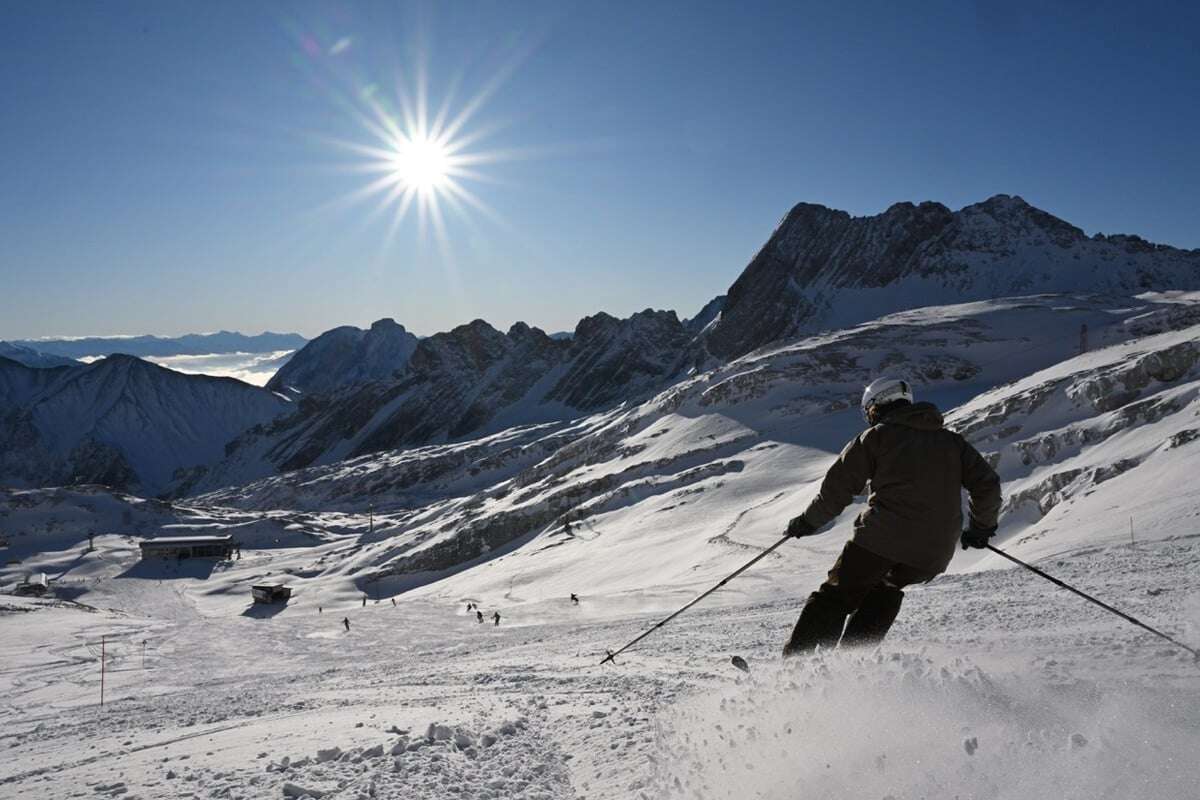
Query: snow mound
906	725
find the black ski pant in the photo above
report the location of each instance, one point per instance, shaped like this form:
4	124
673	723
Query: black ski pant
863	586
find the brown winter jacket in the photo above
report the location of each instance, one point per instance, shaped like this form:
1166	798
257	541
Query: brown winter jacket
917	470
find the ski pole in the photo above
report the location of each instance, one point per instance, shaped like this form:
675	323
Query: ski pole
1091	599
727	579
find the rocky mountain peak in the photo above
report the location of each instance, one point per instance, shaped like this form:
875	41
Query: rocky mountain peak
386	325
472	347
823	268
347	355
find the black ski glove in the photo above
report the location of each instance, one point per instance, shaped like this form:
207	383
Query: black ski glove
799	527
977	538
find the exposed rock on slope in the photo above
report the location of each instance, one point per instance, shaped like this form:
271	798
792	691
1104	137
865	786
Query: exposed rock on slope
347	355
1128	411
824	269
119	421
710	450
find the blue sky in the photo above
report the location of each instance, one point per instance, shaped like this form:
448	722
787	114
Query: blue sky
172	167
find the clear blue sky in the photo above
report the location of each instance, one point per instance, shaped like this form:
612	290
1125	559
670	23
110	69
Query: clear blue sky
169	167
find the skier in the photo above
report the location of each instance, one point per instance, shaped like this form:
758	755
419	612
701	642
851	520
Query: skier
574	598
470	608
478	616
393	601
912	521
496	617
364	605
346	622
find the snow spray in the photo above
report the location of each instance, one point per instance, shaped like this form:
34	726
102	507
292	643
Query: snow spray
905	726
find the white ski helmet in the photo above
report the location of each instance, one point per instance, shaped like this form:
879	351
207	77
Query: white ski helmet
882	391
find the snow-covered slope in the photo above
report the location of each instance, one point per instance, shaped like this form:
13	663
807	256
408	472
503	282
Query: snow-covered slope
1098	449
824	269
345	356
119	421
693	477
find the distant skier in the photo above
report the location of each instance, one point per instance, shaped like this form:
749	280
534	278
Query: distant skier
479	616
470	608
346	622
364	605
393	601
916	469
320	610
574	598
496	617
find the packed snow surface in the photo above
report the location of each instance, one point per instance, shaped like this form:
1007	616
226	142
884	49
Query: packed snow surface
992	685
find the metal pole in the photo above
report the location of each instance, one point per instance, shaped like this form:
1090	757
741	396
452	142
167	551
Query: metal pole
102	638
1091	599
611	655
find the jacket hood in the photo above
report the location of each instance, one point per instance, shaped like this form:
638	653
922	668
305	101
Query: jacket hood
922	416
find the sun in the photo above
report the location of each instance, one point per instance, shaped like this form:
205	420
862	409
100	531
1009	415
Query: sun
421	163
421	159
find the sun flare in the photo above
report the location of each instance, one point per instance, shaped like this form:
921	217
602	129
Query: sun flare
421	159
421	163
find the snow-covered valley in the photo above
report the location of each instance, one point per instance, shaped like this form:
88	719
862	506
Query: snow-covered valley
375	681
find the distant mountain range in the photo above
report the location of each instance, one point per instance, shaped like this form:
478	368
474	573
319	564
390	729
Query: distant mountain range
33	358
471	379
157	346
820	269
359	392
119	421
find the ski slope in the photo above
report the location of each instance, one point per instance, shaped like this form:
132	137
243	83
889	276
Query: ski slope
994	683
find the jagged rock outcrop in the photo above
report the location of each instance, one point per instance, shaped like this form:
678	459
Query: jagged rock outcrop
468	381
613	360
345	356
824	269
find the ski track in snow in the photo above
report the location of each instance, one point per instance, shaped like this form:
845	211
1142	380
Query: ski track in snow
993	685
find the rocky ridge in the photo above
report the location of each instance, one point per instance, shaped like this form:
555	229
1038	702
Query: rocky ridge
824	269
468	382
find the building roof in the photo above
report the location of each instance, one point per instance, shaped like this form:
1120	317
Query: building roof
178	541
